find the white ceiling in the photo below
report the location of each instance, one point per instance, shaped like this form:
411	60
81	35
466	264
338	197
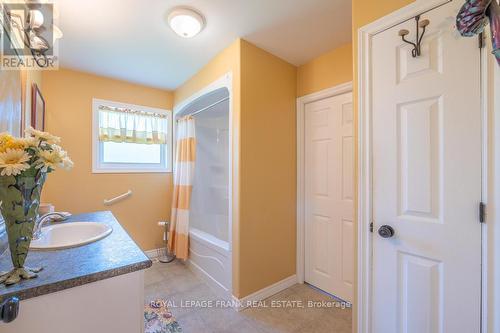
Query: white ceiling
129	39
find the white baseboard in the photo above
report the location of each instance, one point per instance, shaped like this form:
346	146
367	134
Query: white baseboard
153	254
264	293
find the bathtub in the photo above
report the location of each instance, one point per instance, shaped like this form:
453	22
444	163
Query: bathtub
210	258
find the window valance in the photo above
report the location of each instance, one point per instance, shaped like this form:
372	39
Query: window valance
132	126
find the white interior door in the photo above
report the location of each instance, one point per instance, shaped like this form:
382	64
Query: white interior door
329	179
427	180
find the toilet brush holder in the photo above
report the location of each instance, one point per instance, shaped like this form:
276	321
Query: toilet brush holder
165	257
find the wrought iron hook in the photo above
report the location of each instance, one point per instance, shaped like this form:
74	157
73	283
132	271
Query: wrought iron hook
417	46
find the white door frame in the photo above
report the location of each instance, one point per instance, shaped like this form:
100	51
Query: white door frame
491	187
365	36
301	105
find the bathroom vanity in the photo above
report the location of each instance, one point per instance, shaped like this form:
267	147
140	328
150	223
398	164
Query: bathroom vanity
98	287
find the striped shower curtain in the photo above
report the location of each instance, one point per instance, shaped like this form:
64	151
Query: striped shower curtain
178	242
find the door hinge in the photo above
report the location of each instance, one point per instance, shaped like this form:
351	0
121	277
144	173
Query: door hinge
481	40
482	212
371	226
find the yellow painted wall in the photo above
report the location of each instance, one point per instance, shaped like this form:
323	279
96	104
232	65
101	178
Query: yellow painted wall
68	95
267	231
327	70
226	61
337	66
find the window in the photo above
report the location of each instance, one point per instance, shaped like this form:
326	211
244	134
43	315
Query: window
130	138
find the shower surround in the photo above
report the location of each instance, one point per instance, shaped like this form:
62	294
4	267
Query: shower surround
210	209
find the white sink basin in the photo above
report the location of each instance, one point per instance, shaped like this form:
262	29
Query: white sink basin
72	234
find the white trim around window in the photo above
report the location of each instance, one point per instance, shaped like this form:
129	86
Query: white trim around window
99	166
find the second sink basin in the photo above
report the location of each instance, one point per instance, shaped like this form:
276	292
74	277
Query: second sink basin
71	234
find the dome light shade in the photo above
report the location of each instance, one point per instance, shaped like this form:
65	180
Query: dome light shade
186	22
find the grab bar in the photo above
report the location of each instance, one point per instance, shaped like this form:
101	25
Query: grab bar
118	198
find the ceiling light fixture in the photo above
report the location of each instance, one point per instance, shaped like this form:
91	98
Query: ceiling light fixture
186	22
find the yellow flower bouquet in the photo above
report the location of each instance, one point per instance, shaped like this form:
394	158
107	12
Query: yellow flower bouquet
24	165
37	152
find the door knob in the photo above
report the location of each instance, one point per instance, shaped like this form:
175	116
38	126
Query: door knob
386	231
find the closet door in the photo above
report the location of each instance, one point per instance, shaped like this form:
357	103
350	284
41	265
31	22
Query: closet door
329	210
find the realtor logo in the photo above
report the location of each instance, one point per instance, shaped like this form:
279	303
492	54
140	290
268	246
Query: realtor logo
28	36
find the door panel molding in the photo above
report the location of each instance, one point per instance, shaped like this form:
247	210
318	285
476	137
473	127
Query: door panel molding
301	105
329	207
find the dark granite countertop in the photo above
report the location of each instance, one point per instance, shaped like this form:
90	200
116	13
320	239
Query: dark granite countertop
111	256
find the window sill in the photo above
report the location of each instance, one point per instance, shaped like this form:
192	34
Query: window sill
128	171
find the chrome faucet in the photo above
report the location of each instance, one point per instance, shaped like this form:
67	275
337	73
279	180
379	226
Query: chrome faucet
54	216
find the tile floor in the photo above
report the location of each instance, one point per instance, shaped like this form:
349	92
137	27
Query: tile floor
185	292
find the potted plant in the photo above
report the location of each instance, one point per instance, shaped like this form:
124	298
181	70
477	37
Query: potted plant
24	165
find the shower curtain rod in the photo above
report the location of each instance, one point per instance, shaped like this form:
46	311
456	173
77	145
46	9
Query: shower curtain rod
207	107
